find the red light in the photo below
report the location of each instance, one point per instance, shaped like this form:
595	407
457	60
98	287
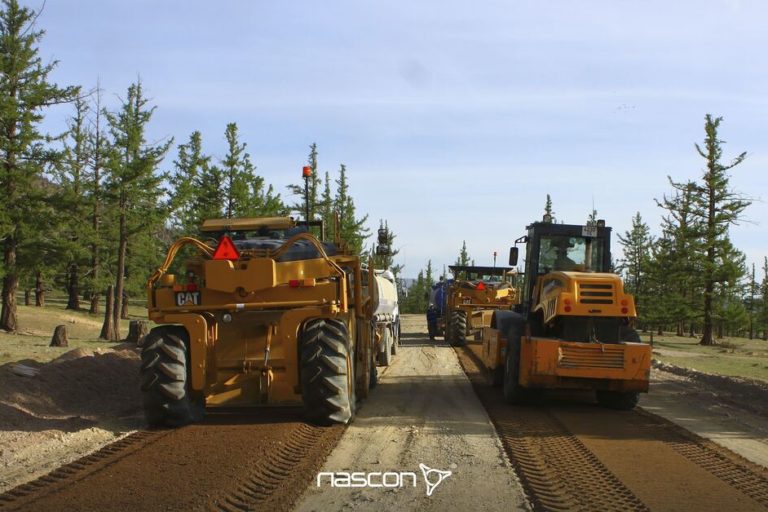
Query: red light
294	283
567	309
624	302
624	311
567	302
226	250
306	171
480	286
192	287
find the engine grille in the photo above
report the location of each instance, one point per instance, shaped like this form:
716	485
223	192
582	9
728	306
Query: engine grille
596	293
596	356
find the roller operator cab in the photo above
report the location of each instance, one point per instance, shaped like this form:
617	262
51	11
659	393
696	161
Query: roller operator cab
574	326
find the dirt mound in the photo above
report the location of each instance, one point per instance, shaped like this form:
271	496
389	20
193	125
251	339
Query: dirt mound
749	394
54	413
81	383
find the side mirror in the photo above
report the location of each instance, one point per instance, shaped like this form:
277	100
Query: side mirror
513	256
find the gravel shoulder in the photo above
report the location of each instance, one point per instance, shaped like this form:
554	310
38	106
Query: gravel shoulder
706	406
424	411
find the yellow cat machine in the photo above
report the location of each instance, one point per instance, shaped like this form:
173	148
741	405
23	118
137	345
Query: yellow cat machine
475	293
574	327
265	314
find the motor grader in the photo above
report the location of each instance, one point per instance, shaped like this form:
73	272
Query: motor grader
574	326
265	314
474	294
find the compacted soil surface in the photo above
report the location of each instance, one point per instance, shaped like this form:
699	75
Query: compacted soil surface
72	437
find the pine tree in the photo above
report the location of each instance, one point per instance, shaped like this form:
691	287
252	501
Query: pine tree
351	228
684	258
549	215
325	210
71	199
315	205
239	176
134	182
98	152
718	207
658	311
764	299
592	218
463	258
637	255
25	94
243	189
750	304
192	196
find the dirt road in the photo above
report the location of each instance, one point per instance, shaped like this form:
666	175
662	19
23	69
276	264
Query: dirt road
565	453
574	455
423	412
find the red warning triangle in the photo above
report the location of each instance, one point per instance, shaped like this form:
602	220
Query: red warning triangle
480	286
226	250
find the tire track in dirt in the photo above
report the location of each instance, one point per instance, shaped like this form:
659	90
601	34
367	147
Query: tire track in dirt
573	456
231	462
557	471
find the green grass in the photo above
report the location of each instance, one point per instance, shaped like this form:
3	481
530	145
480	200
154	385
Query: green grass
36	327
734	357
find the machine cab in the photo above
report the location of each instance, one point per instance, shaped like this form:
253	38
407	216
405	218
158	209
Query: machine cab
561	247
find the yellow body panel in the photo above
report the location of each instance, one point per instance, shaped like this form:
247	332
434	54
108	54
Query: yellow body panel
556	364
582	294
242	307
247	224
549	363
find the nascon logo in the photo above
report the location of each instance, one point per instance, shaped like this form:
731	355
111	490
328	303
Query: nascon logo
386	479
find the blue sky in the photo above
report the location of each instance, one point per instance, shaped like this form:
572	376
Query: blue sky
454	119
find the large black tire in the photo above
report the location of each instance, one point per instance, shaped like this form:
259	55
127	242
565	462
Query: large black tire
385	353
513	392
629	334
327	372
396	338
165	391
458	328
374	374
497	377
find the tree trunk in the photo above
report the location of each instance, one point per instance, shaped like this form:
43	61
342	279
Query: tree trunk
95	217
39	290
137	329
124	308
94	309
27	297
59	338
680	328
660	331
8	317
73	287
720	331
693	331
120	282
108	331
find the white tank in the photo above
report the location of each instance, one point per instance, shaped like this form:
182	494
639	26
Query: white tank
385	294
